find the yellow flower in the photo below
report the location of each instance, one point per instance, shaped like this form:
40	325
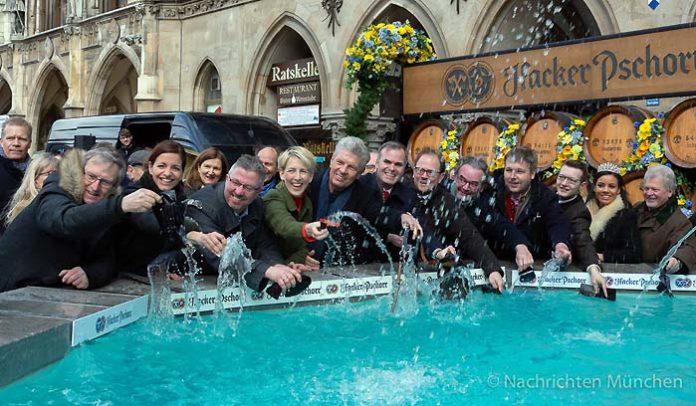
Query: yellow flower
622	171
577	149
644	146
369	58
356	66
579	122
514	127
681	201
444	144
452	132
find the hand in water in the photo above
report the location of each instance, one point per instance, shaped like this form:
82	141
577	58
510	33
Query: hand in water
445	252
395	240
496	281
214	242
312	263
411	223
523	258
598	280
285	276
563	252
673	265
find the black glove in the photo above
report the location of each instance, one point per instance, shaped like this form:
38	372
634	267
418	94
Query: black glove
170	216
177	262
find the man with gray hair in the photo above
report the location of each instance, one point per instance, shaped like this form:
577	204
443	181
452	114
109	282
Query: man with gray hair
66	227
234	206
15	141
662	224
339	189
478	198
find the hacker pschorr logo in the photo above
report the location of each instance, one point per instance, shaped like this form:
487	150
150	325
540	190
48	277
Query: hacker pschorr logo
101	324
473	84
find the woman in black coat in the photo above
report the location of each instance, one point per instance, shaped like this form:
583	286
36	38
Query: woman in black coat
614	226
142	238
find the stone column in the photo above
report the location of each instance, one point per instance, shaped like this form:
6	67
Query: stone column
75	105
149	86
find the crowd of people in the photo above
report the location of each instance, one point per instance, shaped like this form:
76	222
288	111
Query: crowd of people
81	219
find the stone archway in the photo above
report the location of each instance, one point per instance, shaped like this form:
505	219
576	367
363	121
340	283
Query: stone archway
512	24
50	96
5	97
113	83
207	91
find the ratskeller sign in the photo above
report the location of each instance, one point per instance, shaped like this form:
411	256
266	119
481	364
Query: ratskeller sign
639	64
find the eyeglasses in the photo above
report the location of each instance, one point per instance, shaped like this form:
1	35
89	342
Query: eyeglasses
427	172
563	178
103	183
464	182
247	188
45	173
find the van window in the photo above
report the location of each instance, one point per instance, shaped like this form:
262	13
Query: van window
148	134
221	131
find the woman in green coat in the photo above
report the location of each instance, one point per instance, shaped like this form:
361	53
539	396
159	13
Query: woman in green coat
289	211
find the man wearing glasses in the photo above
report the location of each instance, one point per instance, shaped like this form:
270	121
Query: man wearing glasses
231	207
66	227
571	177
446	222
477	197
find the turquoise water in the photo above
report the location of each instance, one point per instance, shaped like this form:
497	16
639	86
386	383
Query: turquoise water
528	347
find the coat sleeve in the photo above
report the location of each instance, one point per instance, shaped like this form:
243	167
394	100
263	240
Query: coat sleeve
101	264
581	242
265	255
60	216
278	219
557	225
205	224
620	242
472	245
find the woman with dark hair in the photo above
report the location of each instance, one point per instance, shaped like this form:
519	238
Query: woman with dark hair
208	168
141	239
614	226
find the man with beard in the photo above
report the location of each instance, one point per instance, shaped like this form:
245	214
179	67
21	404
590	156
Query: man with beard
442	216
477	197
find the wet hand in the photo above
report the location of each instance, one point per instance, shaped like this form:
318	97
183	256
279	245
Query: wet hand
75	276
496	281
284	276
562	251
312	263
299	267
411	223
523	258
600	258
395	240
140	201
598	280
316	230
673	265
448	250
214	241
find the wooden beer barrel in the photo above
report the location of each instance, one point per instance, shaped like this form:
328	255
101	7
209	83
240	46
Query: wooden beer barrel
632	182
429	134
680	134
610	134
541	134
480	138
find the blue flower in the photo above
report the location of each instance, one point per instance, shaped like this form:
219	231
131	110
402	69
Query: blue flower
668	164
369	43
660	115
636	124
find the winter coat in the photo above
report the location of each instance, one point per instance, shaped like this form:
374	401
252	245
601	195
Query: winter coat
581	243
660	229
140	239
10	179
447	223
541	220
58	232
216	215
286	222
614	229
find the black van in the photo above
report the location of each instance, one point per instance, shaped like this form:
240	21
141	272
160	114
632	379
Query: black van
233	134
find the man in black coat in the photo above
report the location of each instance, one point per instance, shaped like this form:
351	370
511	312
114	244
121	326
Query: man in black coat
234	206
571	177
477	197
340	189
62	237
15	141
390	166
445	222
531	207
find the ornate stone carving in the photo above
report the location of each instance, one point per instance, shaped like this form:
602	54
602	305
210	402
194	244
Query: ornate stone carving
196	8
111	31
90	35
332	7
48	48
132	39
457	3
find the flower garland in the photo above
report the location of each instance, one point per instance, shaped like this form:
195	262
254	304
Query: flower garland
647	148
507	140
684	189
449	148
368	61
569	146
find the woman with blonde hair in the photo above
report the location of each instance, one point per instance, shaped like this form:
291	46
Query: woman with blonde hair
42	165
289	210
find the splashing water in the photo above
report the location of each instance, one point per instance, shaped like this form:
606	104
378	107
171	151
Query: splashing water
235	263
551	266
405	281
338	248
160	314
